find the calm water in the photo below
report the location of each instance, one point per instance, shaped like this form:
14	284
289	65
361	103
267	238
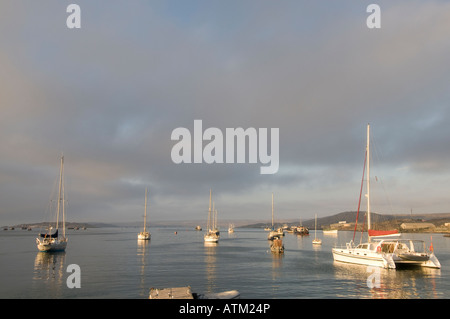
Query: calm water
114	265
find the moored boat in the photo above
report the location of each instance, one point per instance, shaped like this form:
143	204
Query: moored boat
275	233
52	240
380	250
145	235
212	233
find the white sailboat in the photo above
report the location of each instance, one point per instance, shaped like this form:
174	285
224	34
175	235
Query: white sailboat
145	235
278	233
381	251
211	235
368	253
316	241
53	241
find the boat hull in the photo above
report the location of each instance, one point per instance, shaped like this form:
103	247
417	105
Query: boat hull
144	236
51	245
417	260
368	258
211	239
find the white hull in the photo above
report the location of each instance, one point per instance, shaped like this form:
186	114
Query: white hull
362	256
432	262
51	244
317	242
211	238
275	234
144	236
409	252
372	259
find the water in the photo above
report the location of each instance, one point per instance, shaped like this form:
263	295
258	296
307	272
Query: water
114	265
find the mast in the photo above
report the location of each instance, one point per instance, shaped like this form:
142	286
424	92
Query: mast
145	209
315	228
272	211
63	200
209	212
59	192
368	177
213	217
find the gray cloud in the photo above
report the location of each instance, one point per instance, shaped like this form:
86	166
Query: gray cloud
110	94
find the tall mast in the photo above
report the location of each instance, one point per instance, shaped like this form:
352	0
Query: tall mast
213	216
209	212
59	192
272	211
145	209
368	177
63	200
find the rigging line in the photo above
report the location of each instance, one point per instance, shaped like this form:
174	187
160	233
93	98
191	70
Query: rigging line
360	194
378	156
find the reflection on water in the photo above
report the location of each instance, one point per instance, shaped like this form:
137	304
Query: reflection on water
142	250
49	273
390	284
211	265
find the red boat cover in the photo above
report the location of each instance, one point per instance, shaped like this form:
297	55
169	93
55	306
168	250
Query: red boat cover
374	233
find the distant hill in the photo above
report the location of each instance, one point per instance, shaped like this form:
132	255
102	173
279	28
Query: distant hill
350	217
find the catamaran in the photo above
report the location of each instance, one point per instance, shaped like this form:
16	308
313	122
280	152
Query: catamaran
380	251
51	240
145	235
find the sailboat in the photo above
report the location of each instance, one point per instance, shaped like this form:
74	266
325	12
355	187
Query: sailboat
145	235
316	241
369	253
211	235
275	233
52	240
379	250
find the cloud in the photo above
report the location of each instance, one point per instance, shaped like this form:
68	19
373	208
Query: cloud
110	94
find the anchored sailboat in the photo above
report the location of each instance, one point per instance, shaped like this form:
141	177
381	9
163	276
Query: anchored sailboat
212	235
49	241
368	253
316	241
383	252
145	235
275	233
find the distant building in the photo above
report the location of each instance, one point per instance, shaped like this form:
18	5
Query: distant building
342	225
417	226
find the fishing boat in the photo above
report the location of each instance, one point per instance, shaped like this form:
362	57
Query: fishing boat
145	235
211	235
274	233
316	241
369	253
52	240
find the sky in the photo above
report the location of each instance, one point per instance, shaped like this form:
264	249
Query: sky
109	94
